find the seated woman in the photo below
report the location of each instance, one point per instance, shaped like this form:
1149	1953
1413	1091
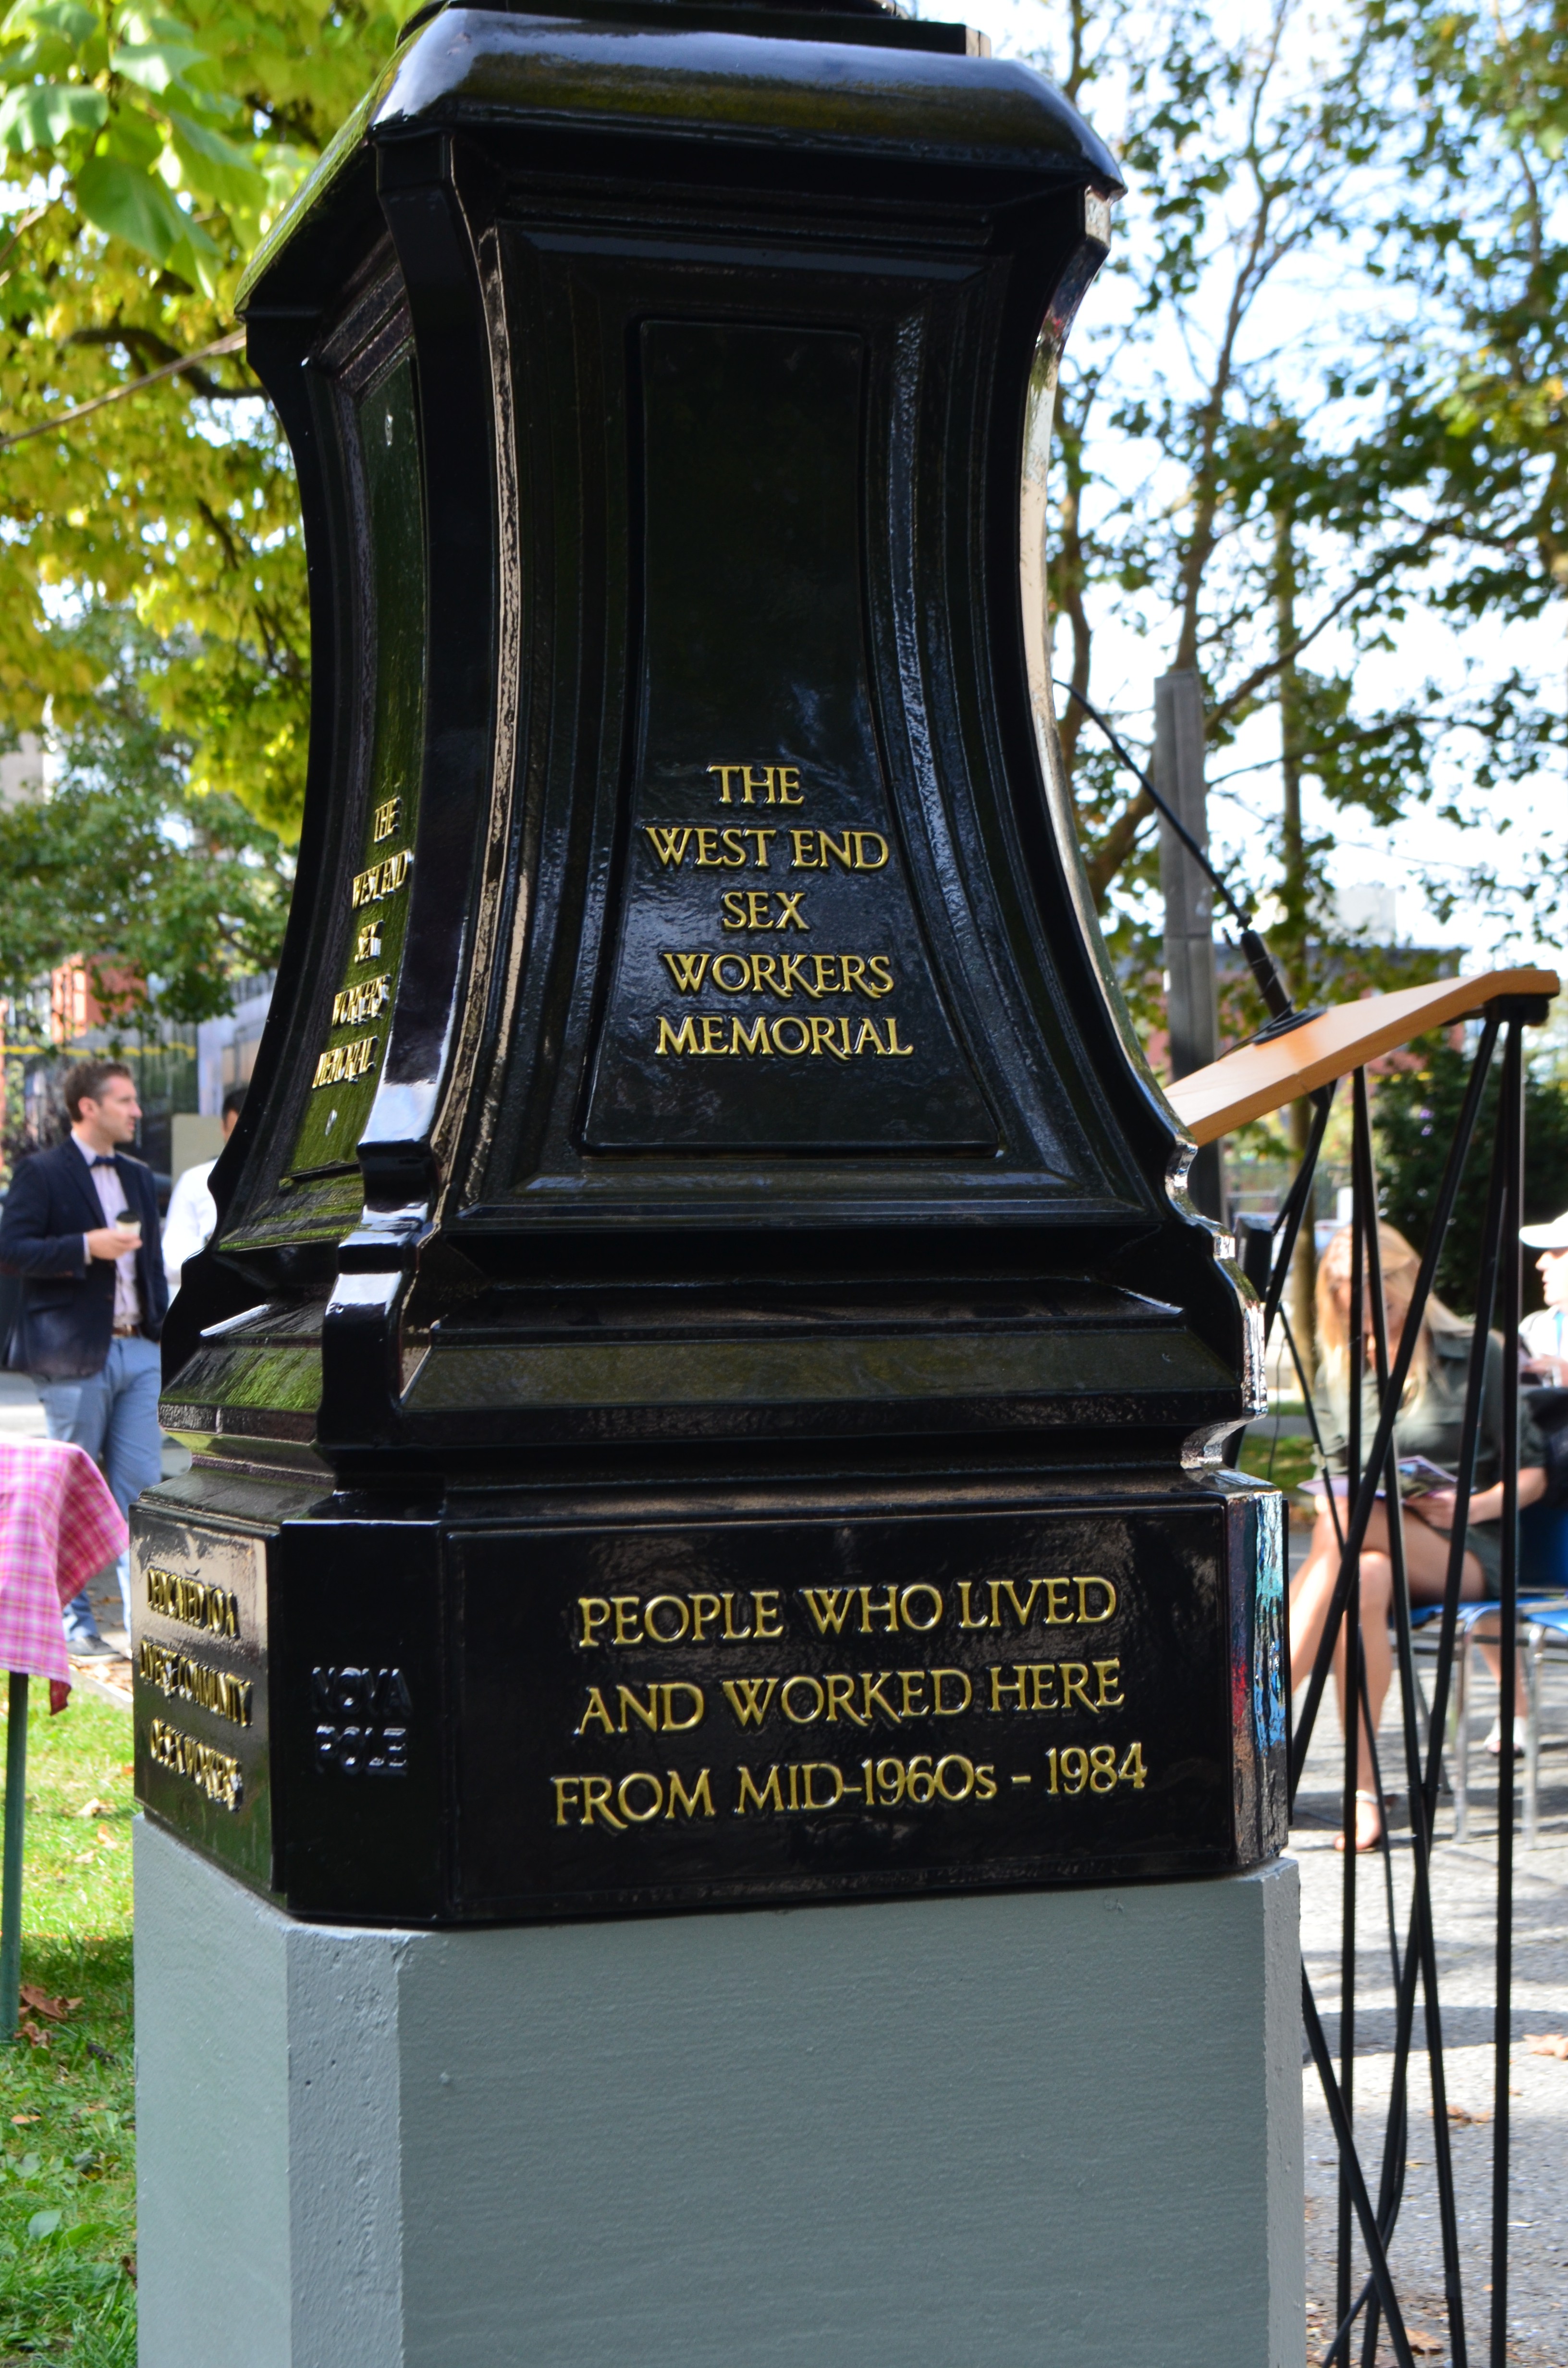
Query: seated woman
1428	1424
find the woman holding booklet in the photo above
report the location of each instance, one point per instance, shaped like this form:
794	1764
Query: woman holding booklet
1426	1440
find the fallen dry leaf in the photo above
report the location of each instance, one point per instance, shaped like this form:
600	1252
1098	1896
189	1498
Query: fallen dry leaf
96	1808
32	2031
1463	2113
1421	2342
57	2008
1548	2042
20	2121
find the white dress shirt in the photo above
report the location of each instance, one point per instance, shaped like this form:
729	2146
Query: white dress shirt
188	1226
111	1201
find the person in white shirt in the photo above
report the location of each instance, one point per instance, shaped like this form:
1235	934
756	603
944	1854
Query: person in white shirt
1544	1335
192	1211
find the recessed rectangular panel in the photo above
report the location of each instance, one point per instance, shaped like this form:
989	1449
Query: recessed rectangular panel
199	1648
771	1710
772	986
376	887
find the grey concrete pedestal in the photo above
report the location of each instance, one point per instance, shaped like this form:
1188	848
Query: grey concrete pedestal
1059	2128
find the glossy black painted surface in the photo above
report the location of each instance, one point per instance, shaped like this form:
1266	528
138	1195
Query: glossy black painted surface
695	1095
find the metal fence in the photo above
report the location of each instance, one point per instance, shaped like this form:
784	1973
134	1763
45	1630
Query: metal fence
1373	2164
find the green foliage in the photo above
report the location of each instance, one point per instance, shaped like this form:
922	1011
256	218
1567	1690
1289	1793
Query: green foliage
1415	1116
146	153
166	892
67	2104
1265	456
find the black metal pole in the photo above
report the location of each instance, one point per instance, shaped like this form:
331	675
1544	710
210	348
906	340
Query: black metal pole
11	1870
1511	1132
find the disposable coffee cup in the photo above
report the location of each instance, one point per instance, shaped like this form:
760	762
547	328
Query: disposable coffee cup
131	1225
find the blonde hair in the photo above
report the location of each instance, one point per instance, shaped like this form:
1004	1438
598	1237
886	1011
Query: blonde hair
1400	1264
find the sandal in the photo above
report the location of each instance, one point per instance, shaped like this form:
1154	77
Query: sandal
1365	1841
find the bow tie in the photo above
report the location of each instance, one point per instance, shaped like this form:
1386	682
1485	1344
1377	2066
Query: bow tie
103	1160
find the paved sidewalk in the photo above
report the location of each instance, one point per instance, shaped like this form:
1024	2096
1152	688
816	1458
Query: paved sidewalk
1464	1907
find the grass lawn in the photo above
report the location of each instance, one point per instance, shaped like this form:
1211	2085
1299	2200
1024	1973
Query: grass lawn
67	2111
1289	1463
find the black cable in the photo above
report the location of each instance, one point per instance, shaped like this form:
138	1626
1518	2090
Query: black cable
1259	960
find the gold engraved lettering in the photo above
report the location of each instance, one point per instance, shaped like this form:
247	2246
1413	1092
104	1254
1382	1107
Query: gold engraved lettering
829	1607
596	1792
966	1608
595	1714
212	1772
704	1608
768	1796
687	970
749	1698
852	850
872	1696
689	1803
1076	1681
929	1598
593	1610
192	1602
815	1697
669	846
781	782
638	1798
355	1005
914	1703
346	1061
1094	1619
841	1697
368	944
1031	1684
637	1787
648	1713
385	820
885	1609
628	1610
382	880
942	1709
177	1675
1022	1612
1013	1685
765	1611
1042	1677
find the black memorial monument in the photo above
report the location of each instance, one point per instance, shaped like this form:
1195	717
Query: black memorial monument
707	1388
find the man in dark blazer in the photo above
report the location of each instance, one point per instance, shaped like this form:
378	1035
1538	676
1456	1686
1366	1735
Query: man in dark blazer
80	1228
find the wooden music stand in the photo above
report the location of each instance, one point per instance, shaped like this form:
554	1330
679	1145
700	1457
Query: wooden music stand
1257	1078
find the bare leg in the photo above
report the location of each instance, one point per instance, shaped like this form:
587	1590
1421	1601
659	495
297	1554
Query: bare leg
1427	1563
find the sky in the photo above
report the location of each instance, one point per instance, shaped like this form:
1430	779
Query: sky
1125	663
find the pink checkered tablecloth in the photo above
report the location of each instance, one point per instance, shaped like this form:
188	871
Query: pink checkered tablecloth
57	1525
